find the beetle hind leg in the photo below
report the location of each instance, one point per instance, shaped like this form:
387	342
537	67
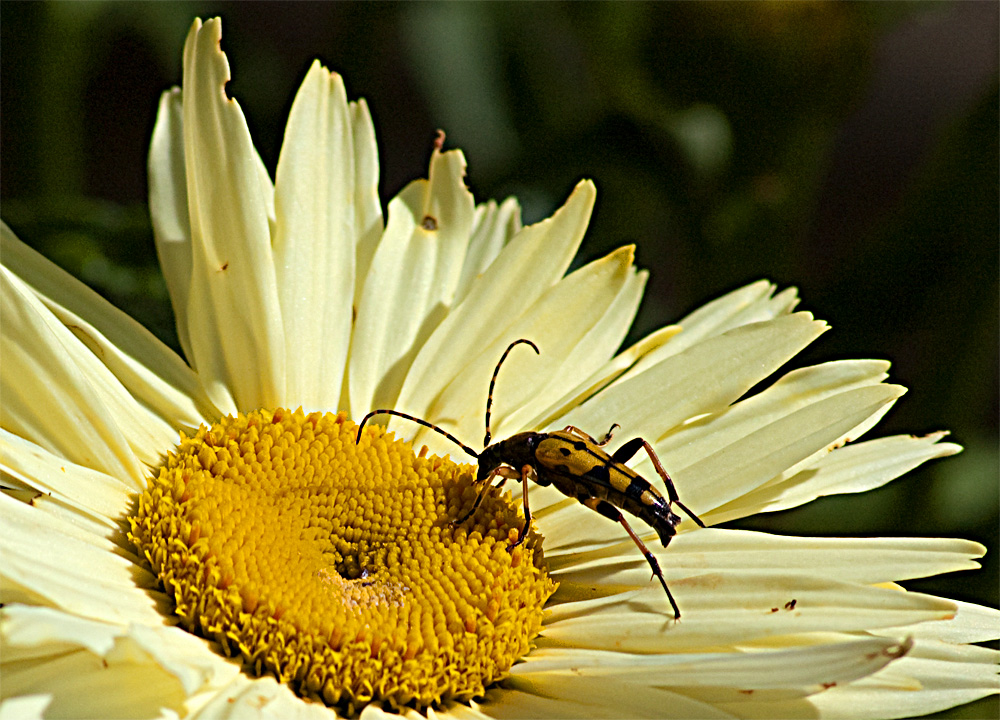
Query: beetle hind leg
625	453
612	513
574	430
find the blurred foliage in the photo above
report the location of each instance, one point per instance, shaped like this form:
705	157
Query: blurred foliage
847	148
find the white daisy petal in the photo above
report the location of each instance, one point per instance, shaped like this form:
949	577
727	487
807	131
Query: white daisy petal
91	669
750	304
972	623
861	560
168	207
24	707
558	325
948	675
411	281
564	696
492	228
703	379
57	394
771	449
806	669
793	391
315	239
452	710
233	315
851	469
259	698
753	303
586	348
617	367
727	607
151	372
46	559
368	210
534	260
94	493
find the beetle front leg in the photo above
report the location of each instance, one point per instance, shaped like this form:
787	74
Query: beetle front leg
526	472
504	473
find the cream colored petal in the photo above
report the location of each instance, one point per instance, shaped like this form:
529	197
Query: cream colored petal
234	316
772	449
948	676
851	469
559	323
862	560
703	379
451	710
95	670
751	304
46	561
533	261
605	375
58	395
81	685
791	392
723	608
24	707
492	228
168	207
972	623
315	239
585	352
92	492
262	698
32	633
807	668
412	279
565	696
366	201
150	371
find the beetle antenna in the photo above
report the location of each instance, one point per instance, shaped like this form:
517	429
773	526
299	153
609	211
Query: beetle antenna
426	424
493	382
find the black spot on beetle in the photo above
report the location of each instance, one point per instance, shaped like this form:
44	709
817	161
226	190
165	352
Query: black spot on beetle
599	473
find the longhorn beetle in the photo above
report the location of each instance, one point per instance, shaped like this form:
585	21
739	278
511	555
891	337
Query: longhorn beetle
578	467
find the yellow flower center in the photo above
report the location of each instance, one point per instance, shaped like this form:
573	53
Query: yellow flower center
336	566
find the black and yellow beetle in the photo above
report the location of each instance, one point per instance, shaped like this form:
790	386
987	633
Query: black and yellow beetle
577	466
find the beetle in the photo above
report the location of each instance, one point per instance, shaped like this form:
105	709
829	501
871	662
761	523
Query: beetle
577	465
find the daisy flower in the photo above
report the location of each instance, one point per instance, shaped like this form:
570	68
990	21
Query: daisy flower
209	538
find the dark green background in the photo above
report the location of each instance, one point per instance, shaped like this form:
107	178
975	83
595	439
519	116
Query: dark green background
849	149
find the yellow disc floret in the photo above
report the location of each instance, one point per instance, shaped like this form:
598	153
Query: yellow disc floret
336	566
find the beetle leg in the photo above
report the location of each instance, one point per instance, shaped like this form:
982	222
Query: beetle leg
526	472
504	473
573	429
671	490
625	452
612	513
